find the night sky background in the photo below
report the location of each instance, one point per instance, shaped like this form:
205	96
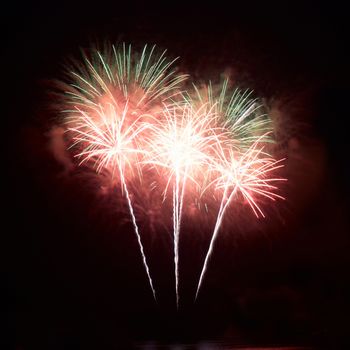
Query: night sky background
72	274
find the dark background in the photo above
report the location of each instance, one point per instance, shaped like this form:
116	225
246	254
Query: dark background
73	276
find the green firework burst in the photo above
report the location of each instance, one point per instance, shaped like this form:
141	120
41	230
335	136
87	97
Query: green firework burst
240	113
121	74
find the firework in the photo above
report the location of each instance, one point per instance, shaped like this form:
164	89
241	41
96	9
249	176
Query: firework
240	167
126	116
242	175
182	142
107	96
111	145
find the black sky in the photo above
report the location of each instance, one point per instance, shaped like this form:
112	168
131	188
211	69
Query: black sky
73	277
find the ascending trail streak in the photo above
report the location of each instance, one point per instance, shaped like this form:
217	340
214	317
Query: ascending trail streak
215	233
176	232
109	138
178	199
247	174
136	229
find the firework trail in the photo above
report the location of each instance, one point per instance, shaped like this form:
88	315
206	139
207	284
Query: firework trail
181	144
107	96
111	145
246	175
241	166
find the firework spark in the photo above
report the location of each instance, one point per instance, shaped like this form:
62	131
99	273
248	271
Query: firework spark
105	99
181	143
111	144
245	175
